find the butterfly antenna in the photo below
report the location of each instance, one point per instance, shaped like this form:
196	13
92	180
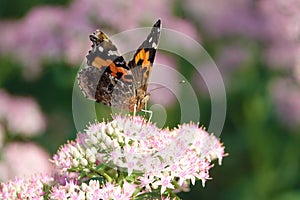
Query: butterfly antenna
159	87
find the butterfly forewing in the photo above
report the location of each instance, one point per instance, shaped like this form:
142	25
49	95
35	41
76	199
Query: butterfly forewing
143	59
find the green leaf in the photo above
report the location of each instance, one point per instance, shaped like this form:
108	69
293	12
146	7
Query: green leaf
148	196
130	179
100	166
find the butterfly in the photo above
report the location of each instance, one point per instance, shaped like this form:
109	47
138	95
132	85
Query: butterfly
107	78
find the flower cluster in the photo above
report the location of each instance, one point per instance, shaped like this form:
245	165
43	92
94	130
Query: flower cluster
23	117
51	33
31	188
91	190
271	25
287	108
11	165
129	157
12	111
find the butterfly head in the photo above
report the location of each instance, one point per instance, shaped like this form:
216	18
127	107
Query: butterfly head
98	37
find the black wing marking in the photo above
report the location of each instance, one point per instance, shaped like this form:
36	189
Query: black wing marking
104	54
103	88
143	59
104	67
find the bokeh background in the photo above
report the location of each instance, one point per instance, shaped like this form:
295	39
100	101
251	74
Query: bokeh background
255	45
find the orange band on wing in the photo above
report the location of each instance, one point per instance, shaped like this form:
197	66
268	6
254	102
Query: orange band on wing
99	63
144	56
114	69
146	61
139	56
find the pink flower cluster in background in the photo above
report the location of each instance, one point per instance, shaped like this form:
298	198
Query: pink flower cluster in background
220	18
52	33
125	159
22	159
272	25
22	117
283	36
282	19
287	101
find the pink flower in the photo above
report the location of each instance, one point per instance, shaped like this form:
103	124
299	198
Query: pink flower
146	159
146	180
275	23
227	18
39	33
120	159
13	109
33	124
165	182
230	58
46	37
286	95
132	144
70	155
20	159
91	191
30	188
282	23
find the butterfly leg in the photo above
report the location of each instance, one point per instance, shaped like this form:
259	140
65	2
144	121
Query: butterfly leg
150	113
134	111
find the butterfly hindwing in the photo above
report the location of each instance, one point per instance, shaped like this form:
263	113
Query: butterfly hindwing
104	67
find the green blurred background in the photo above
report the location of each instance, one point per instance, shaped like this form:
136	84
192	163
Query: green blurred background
255	45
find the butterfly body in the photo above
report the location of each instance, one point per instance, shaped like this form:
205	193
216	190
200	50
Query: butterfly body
107	78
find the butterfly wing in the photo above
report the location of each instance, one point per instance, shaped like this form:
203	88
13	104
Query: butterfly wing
107	78
106	73
141	64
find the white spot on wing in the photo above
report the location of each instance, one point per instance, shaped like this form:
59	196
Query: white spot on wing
100	49
150	39
110	53
154	45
